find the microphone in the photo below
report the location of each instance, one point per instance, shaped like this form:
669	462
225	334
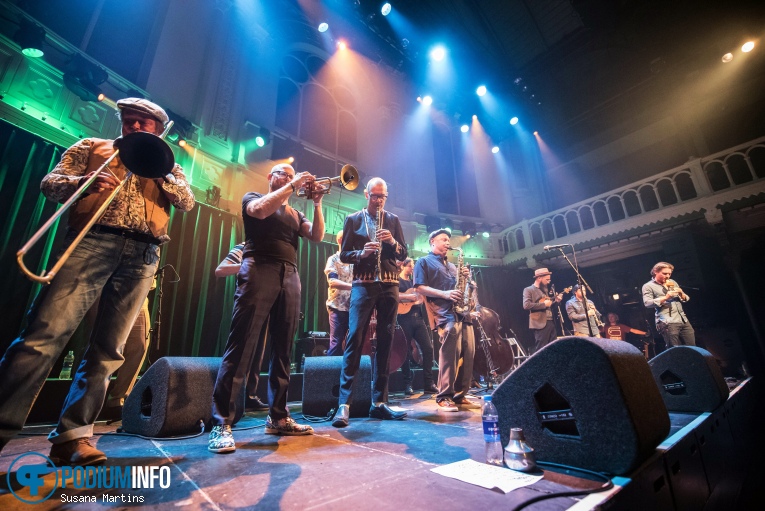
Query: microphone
553	247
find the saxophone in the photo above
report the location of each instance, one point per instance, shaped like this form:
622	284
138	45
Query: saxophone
463	286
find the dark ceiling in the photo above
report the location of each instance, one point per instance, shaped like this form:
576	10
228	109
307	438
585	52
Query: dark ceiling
585	66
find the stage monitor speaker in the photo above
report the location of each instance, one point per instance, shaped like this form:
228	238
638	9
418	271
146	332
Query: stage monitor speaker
689	379
586	402
321	386
172	397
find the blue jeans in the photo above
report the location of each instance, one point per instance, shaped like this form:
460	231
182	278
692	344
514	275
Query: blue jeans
338	330
364	299
121	270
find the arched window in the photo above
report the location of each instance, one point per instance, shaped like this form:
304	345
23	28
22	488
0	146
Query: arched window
631	203
315	106
585	216
615	208
666	192
560	226
536	234
685	187
718	179
648	198
738	168
601	213
572	222
547	229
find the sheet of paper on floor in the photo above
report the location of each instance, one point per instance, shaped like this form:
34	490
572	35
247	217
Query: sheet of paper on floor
487	476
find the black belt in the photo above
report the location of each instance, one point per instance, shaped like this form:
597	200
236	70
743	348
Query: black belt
126	233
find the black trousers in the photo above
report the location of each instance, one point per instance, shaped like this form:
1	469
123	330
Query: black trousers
414	328
364	299
264	289
544	336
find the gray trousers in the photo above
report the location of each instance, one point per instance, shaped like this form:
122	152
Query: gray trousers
457	340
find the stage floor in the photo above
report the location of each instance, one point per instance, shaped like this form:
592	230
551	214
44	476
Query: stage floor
372	464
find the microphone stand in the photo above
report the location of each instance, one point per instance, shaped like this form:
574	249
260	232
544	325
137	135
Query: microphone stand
582	285
158	321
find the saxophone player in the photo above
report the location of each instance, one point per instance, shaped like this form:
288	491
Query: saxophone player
372	242
439	281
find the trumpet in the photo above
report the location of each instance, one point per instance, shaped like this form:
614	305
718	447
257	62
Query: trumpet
348	179
143	154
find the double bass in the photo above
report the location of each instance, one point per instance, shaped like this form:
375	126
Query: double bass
493	353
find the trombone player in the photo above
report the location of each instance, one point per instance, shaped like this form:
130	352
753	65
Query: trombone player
117	258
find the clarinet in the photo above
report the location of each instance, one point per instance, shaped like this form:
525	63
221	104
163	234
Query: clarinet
378	268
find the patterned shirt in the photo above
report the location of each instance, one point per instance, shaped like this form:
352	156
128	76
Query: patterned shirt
128	209
338	299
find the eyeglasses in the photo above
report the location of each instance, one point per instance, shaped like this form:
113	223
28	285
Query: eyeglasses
282	173
376	196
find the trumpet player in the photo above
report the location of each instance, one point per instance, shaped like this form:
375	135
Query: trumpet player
666	297
580	318
268	290
372	242
116	260
436	279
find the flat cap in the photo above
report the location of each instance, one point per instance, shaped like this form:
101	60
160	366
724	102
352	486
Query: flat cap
144	106
437	232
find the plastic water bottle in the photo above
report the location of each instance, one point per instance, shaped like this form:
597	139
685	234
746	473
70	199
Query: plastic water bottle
491	438
66	369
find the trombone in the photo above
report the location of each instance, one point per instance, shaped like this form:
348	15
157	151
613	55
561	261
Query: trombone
348	178
143	154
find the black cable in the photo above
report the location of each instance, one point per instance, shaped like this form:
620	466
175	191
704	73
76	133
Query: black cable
314	419
608	484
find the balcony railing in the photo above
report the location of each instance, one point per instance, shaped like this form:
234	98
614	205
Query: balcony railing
698	184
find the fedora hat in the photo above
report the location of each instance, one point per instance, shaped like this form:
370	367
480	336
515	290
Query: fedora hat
541	272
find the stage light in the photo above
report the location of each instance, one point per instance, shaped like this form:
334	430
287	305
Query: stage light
259	141
263	138
475	117
83	78
616	296
291	159
386	8
182	143
341	45
323	27
30	36
495	149
481	91
748	46
727	58
438	53
465	128
536	133
514	121
485	234
427	100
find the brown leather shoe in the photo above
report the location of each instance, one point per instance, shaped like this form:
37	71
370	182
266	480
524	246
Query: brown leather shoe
76	453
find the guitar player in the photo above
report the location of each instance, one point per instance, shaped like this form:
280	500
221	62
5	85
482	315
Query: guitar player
537	301
410	319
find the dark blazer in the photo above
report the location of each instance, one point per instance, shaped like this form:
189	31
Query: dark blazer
354	239
537	311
